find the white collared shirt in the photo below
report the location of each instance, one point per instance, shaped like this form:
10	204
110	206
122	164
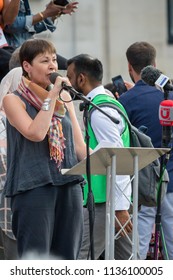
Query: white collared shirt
106	130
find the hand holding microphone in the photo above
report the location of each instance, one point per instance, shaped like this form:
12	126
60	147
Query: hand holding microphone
61	81
66	85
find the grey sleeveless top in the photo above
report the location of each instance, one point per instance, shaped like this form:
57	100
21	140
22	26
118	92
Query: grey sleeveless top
28	163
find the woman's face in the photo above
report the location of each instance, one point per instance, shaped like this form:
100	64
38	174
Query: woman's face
41	67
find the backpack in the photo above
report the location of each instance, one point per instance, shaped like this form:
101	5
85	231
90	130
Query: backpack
149	177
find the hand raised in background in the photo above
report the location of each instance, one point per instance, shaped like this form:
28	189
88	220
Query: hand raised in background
70	8
53	10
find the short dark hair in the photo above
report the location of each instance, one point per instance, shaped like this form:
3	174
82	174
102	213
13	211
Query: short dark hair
85	63
32	47
111	87
14	60
140	55
4	62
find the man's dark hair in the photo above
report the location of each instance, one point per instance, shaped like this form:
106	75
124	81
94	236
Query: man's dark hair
88	65
140	55
111	87
4	62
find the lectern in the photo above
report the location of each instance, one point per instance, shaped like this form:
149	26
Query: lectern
111	161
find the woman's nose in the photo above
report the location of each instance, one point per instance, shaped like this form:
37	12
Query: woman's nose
53	64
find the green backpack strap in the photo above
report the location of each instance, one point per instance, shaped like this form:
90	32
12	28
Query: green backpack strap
111	105
106	104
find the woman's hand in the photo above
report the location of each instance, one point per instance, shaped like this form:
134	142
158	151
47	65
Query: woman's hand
58	85
70	8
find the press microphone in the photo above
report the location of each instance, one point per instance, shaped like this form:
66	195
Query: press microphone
163	83
150	74
154	77
74	94
166	121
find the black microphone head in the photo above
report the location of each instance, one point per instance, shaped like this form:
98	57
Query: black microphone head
150	74
53	77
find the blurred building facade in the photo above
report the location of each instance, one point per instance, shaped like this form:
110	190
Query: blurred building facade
105	29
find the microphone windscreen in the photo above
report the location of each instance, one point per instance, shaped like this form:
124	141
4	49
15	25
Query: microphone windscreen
150	74
53	77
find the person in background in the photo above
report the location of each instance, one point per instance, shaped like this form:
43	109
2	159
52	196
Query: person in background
8	84
85	74
8	12
10	81
43	136
8	248
27	24
3	160
142	105
111	88
19	24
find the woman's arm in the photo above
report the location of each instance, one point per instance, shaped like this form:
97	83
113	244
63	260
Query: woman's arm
32	129
10	11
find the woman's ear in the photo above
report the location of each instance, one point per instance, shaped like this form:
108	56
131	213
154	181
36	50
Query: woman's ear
26	66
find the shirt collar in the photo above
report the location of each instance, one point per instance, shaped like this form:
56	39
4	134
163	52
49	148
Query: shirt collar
140	83
96	91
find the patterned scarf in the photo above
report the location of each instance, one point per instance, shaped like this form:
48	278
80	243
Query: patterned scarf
35	95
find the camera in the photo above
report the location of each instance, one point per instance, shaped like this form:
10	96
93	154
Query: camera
61	2
119	84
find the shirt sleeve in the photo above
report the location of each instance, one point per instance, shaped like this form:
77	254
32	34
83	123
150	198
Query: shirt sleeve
106	130
28	25
21	24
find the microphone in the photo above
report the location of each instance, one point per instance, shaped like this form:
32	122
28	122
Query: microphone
74	94
150	74
78	96
166	120
163	83
53	77
154	77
